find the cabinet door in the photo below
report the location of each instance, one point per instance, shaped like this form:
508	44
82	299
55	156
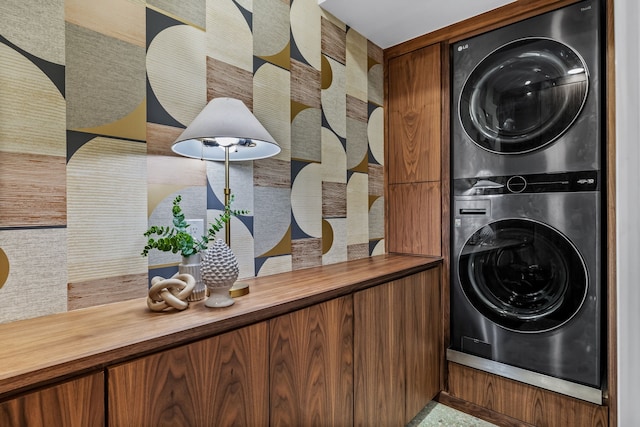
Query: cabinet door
219	381
76	403
414	182
311	366
397	349
414	218
414	104
424	342
379	363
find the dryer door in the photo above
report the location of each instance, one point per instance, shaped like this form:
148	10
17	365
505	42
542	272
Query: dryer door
523	275
523	95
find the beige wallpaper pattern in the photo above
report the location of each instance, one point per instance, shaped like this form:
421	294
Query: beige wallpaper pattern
92	101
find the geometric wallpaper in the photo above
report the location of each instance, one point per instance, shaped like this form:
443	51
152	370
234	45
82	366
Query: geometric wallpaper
91	103
33	217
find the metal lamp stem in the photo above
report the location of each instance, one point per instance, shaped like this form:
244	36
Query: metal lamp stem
227	195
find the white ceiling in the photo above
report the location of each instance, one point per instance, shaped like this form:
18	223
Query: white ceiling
389	22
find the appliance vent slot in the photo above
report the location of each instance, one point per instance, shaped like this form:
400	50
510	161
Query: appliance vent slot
473	211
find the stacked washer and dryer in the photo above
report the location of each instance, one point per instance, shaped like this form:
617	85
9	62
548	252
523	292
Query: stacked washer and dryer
527	296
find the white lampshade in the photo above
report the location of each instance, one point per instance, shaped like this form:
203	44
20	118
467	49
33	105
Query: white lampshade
226	122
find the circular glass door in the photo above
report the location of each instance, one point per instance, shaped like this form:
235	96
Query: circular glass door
523	275
523	96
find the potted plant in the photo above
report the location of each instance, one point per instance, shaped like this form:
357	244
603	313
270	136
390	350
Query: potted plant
177	239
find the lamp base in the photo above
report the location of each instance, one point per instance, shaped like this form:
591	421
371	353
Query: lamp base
239	289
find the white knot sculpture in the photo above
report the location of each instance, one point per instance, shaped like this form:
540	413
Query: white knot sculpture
170	293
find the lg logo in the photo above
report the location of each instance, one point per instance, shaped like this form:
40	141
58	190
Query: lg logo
463	47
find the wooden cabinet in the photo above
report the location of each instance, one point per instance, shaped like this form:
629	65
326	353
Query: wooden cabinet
285	354
379	368
414	99
75	403
311	366
397	349
219	381
414	171
424	349
414	218
369	358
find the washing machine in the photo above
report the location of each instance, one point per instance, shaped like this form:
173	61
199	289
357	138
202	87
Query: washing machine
526	297
526	98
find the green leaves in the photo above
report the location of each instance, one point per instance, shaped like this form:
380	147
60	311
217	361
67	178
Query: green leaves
178	239
219	222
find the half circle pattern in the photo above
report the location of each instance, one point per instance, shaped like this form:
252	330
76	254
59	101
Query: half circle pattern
271	28
334	158
358	209
177	71
306	199
30	101
375	135
229	37
306	30
334	103
106	182
20	18
111	73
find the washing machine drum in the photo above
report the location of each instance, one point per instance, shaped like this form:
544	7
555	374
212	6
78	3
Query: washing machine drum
523	275
523	96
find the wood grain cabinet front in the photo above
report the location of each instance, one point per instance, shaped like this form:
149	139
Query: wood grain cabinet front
414	153
287	354
311	365
397	349
219	381
75	403
414	101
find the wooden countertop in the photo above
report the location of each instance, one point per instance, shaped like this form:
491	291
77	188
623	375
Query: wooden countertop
40	350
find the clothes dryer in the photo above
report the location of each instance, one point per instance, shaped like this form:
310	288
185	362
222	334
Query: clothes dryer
526	98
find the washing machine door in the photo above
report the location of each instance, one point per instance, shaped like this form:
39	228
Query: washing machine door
523	275
523	95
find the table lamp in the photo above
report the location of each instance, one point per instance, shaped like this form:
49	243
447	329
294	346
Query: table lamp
226	130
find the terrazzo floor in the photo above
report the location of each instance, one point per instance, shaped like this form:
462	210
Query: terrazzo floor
438	415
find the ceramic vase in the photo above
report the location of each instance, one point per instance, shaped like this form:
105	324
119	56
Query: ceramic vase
191	265
219	268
